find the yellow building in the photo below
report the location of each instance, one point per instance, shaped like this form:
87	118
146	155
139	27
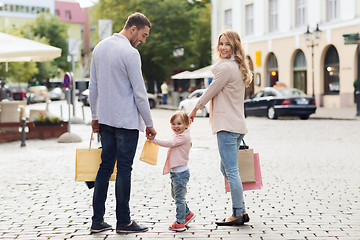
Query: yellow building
274	36
14	13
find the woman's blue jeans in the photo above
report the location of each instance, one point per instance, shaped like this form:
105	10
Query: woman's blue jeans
117	144
229	144
179	181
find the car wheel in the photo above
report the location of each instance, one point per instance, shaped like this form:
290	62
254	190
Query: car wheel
152	103
304	117
204	113
271	114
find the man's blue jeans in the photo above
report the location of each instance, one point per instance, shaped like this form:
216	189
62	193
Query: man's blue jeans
178	193
117	144
229	144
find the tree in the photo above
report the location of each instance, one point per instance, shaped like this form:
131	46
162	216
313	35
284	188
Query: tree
175	24
18	72
48	29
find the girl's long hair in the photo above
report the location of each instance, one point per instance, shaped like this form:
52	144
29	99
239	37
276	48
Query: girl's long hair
238	53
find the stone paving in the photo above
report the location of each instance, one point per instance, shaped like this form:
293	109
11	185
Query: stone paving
310	174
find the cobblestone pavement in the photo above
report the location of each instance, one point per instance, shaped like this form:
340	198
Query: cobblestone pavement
310	174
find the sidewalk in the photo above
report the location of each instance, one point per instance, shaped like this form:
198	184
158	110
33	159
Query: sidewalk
346	113
311	185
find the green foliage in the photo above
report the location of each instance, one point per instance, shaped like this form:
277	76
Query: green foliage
355	83
54	32
175	23
46	29
43	118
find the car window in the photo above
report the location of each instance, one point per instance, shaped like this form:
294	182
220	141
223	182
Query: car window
259	94
291	92
269	93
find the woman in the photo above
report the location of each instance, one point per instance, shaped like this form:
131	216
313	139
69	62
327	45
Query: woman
226	92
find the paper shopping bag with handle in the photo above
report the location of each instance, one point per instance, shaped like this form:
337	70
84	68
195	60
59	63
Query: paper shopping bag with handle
246	165
258	179
87	164
149	153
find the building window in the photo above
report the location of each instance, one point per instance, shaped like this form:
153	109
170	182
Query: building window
250	90
250	19
300	13
273	70
331	72
273	16
68	15
57	13
228	18
300	81
331	10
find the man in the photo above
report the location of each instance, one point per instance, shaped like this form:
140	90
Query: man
164	91
119	107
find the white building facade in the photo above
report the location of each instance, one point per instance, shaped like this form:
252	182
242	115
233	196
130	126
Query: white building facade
273	35
18	12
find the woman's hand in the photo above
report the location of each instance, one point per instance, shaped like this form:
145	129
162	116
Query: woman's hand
193	114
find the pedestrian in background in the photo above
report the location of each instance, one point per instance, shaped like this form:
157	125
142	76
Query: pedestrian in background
176	163
119	107
165	92
227	119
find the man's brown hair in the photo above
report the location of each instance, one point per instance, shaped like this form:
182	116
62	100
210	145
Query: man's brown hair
137	19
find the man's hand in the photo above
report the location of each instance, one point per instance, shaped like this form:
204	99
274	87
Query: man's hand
192	115
95	126
150	133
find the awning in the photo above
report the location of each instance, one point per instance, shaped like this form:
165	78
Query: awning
17	49
204	72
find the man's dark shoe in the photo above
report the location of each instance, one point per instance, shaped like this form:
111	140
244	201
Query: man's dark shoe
133	227
99	227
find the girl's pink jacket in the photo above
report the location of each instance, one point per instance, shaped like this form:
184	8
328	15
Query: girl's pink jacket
178	153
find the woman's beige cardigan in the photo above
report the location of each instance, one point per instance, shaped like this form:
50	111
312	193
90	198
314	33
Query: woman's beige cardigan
226	91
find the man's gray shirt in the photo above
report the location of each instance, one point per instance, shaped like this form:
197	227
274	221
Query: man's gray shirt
118	96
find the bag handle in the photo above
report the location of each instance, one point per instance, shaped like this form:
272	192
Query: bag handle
91	138
244	146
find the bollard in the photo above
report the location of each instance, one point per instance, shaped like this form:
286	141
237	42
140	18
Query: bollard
83	112
23	134
61	112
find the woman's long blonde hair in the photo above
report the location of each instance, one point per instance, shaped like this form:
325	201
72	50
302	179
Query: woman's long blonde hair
238	53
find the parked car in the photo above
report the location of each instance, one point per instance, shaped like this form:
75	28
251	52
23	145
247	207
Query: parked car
152	100
280	101
188	104
37	94
19	94
84	98
57	94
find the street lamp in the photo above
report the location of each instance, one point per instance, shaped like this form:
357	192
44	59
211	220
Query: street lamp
309	37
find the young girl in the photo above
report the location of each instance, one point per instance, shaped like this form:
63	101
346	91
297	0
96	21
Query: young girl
176	163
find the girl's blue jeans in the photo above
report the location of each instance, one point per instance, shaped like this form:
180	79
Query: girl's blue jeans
229	144
179	181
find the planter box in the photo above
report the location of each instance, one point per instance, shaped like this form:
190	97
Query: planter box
35	132
46	131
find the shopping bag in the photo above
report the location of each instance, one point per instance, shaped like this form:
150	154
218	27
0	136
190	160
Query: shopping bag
149	153
246	165
257	185
87	164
